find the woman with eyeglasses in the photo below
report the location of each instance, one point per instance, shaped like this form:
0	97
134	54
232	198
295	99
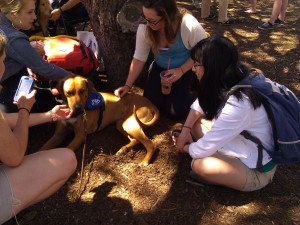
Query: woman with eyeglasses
170	33
211	134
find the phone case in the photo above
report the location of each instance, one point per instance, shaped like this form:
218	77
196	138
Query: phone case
24	88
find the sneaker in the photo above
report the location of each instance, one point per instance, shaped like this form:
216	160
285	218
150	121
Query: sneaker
195	179
229	22
266	26
210	17
278	22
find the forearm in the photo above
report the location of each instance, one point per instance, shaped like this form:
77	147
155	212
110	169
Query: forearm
34	119
187	65
136	68
21	131
70	4
192	117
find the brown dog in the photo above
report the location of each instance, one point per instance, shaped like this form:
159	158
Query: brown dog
130	113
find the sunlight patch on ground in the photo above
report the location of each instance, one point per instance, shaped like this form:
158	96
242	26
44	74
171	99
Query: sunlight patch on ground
283	43
249	36
259	53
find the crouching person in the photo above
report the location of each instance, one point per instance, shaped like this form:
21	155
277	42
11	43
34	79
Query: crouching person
28	179
211	133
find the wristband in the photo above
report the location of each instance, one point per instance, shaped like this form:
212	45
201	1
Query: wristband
127	86
24	109
186	127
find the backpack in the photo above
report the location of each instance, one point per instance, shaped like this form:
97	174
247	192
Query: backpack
66	52
283	109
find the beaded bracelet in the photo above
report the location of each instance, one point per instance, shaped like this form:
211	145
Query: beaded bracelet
24	109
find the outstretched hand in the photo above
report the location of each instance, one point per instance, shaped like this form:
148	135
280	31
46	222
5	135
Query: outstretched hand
61	112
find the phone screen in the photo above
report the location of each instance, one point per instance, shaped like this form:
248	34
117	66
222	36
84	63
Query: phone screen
24	87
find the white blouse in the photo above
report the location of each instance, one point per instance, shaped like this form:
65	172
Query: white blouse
225	136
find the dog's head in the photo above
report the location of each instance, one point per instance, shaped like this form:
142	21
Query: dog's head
75	91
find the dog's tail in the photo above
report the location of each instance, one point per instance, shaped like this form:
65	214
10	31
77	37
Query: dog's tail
150	122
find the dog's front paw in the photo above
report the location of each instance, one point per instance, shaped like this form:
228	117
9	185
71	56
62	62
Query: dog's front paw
144	163
122	151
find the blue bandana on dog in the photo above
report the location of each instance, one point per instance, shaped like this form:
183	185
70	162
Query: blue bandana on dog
95	101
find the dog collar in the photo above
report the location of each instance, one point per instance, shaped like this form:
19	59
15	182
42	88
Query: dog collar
95	101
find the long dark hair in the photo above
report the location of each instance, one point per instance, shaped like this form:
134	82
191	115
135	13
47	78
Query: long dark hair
222	71
171	14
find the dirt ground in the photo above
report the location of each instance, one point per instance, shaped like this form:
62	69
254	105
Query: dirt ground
118	191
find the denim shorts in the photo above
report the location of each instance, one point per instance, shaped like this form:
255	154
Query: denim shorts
6	198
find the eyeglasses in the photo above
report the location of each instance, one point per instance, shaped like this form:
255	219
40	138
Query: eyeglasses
197	65
150	21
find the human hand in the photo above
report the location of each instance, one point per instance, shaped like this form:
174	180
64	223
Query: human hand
175	74
181	139
61	112
26	101
55	14
122	91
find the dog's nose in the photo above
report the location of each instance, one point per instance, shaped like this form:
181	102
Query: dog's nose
78	108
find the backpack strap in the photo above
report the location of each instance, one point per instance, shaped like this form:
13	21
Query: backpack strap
247	135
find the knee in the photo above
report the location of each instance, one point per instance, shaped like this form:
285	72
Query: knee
205	167
69	160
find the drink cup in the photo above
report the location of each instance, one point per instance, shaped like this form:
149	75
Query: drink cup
165	85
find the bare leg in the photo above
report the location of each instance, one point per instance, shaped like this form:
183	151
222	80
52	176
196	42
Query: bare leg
252	8
221	170
276	10
283	10
40	175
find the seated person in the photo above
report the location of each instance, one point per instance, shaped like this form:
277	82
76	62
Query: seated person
170	33
70	10
28	179
21	55
211	134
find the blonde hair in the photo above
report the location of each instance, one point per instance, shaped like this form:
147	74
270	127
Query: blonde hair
14	6
3	43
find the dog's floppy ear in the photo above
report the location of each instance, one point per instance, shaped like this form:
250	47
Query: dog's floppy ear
60	89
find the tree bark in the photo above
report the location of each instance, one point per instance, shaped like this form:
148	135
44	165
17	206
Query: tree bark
116	43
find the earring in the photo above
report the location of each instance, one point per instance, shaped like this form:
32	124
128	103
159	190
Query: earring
14	26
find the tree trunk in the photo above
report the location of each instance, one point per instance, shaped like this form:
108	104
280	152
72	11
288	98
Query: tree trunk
116	43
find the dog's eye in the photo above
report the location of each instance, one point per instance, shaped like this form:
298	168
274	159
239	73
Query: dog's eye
81	91
69	94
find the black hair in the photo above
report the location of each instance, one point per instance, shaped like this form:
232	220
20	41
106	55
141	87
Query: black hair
222	70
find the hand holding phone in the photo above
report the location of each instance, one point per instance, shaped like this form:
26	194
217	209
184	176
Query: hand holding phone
24	88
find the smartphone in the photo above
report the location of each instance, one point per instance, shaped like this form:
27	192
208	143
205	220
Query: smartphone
24	88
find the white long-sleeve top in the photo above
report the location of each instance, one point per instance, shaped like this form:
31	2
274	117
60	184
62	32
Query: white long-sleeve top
225	136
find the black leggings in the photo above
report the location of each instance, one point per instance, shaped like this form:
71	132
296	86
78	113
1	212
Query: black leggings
176	105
